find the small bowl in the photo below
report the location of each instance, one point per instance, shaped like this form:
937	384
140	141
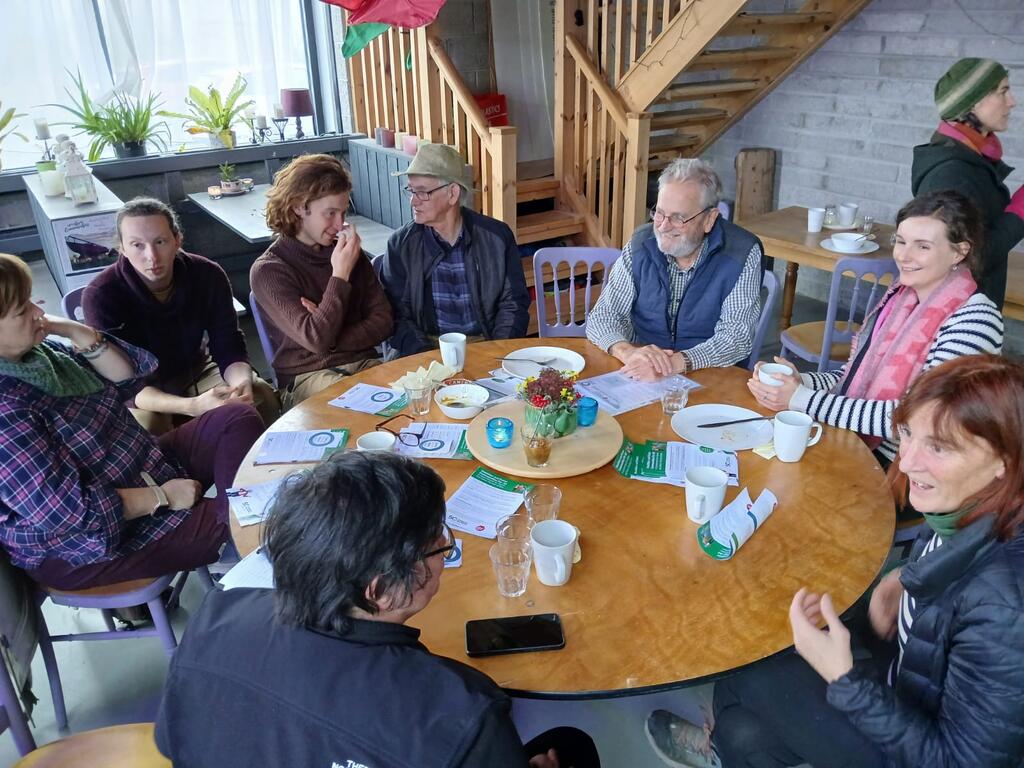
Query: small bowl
376	441
848	242
473	395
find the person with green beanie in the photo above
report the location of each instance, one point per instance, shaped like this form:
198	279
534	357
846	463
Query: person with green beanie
974	103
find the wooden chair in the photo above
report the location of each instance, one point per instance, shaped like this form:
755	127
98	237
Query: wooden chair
119	746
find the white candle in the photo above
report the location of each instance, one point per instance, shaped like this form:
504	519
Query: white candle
261	121
42	128
278	111
250	113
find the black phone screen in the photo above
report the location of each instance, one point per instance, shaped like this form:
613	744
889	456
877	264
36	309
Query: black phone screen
514	634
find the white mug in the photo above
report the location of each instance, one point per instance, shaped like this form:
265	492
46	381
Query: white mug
766	373
793	434
847	214
554	544
705	492
453	350
815	219
376	441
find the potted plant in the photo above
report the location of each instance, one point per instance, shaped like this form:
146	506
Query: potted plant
6	129
210	113
124	122
551	399
229	185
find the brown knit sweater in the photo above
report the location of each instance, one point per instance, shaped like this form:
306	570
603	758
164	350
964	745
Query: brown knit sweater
352	316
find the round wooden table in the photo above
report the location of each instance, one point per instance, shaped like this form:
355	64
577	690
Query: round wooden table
646	608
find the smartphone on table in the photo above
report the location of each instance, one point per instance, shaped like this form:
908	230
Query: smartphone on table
514	634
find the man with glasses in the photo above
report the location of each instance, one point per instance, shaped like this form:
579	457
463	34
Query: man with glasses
451	269
685	294
323	670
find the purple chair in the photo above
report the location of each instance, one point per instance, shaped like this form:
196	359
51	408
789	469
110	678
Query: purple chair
261	331
769	283
11	714
828	343
570	320
72	304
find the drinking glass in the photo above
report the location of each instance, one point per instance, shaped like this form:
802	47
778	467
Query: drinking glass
831	215
512	569
586	412
868	225
419	398
537	443
674	397
500	432
513	532
543	501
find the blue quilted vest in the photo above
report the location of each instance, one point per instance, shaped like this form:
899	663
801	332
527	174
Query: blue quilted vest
716	275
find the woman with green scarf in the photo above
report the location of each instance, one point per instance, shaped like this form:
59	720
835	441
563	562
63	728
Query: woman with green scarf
944	683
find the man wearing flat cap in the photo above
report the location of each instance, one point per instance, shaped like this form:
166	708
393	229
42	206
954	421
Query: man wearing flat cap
452	269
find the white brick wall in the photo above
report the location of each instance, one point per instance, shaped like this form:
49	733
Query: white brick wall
845	122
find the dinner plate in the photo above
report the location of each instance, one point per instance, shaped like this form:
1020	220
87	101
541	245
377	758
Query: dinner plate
523	362
738	437
868	246
857	224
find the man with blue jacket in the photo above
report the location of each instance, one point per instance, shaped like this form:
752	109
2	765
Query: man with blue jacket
451	269
685	294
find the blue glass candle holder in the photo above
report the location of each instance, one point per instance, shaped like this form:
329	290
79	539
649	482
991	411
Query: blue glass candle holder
586	412
500	432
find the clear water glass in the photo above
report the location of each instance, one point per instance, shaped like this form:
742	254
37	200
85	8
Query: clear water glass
511	569
543	502
831	215
419	399
513	532
867	225
674	397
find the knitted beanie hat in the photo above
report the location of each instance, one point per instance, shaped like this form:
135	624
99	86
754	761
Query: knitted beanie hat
965	84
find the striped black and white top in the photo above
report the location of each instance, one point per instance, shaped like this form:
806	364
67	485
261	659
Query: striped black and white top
975	328
908	606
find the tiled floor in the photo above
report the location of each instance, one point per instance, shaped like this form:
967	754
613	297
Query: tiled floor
112	682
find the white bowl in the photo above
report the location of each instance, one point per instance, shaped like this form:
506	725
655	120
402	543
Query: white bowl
473	395
848	242
376	441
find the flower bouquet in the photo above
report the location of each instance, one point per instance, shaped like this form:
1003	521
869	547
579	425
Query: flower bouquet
551	399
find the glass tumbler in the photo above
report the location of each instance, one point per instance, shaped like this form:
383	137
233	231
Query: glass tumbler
512	569
674	397
419	398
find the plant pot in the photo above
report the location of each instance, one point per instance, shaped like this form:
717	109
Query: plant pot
226	139
46	165
231	187
562	421
130	149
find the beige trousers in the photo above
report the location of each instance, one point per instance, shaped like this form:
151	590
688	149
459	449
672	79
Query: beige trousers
306	385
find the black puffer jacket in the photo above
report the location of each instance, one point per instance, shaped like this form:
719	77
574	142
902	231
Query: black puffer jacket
959	696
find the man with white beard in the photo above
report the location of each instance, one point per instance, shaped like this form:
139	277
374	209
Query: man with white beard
685	294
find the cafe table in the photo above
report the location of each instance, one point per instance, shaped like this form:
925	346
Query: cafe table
645	609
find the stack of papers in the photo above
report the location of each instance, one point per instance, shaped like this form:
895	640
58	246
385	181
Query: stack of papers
434	375
616	393
250	503
437	441
369	398
723	535
253	571
657	461
484	499
299	447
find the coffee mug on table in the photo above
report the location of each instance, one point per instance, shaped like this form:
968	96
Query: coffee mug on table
554	544
453	350
376	441
766	373
815	219
793	434
705	492
847	214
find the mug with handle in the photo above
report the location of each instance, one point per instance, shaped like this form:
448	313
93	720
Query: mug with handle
453	350
705	492
793	434
554	545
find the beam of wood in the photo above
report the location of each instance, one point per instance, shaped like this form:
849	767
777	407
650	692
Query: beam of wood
503	154
719	59
609	98
755	23
678	117
755	183
428	88
536	189
637	151
571	199
709	89
458	87
564	123
547	225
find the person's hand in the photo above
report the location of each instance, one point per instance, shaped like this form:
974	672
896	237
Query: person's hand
884	608
182	493
309	306
828	652
242	391
210	399
346	253
77	333
547	760
648	363
775	398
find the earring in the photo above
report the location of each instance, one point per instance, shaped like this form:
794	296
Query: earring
956	266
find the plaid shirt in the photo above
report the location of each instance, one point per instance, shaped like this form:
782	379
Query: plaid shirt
62	460
450	290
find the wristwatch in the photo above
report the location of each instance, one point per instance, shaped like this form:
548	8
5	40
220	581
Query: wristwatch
162	502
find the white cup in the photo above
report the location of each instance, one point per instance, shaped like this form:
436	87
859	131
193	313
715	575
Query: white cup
847	214
554	544
376	441
793	434
815	219
705	492
766	373
453	350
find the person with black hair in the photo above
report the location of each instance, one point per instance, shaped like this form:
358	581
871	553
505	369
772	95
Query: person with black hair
323	670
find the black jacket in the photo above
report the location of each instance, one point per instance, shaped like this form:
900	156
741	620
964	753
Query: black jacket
959	695
244	691
494	268
946	164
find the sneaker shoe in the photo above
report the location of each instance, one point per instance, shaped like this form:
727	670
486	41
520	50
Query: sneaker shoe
680	743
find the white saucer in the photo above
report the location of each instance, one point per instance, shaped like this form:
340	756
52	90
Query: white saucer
842	228
868	246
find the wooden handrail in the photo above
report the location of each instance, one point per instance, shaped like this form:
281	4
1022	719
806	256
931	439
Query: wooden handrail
610	100
458	87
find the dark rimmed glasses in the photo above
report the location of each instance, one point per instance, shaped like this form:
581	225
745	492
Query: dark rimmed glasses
422	194
407	438
677	220
447	549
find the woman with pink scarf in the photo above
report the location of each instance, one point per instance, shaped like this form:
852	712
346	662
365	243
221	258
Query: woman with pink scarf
933	313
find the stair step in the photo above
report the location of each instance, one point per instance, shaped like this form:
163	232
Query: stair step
536	189
750	23
547	225
672	141
706	89
718	59
678	117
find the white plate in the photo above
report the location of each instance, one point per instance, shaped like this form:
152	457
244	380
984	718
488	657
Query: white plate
858	222
738	437
868	246
518	362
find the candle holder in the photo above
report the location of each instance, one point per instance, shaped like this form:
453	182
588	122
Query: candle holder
47	152
263	135
280	122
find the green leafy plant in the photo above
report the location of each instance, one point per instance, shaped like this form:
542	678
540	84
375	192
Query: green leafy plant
122	120
6	118
227	172
212	113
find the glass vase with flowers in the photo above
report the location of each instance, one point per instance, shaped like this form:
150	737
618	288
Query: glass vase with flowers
551	399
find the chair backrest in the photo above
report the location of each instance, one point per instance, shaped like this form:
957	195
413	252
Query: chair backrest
867	273
72	304
770	283
566	282
261	331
